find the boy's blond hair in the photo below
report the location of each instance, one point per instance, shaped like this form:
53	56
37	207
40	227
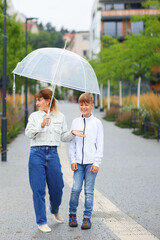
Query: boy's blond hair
86	97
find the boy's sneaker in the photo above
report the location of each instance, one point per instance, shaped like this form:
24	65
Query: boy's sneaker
86	224
44	228
58	217
73	220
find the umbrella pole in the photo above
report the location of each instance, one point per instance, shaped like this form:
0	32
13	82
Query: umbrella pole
53	90
54	86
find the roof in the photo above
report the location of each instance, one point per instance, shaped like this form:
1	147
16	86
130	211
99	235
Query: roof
68	36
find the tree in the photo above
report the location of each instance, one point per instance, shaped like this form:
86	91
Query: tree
15	46
153	3
49	27
47	37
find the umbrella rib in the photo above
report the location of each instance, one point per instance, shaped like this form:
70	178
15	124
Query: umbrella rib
85	84
57	66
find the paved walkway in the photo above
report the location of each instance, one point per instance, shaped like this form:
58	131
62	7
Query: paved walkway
115	183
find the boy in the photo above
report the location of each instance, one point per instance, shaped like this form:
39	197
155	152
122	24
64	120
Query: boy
85	157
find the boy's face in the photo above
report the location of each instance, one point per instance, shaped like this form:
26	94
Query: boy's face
85	109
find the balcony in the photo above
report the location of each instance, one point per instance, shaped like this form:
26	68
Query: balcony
121	1
127	13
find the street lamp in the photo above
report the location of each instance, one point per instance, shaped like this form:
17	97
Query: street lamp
4	87
26	80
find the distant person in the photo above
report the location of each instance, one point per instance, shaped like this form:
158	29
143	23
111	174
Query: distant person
85	157
45	133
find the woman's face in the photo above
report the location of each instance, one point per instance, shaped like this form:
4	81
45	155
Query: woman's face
42	104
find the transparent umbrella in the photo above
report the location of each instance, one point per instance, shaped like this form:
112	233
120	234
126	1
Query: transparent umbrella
59	67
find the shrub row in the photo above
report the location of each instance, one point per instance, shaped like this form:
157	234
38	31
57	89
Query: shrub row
147	118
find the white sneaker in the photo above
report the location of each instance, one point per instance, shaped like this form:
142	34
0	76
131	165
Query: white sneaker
44	228
58	217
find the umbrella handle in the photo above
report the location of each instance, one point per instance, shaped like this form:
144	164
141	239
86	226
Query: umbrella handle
53	90
65	44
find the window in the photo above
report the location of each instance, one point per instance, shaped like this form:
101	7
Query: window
115	6
84	53
113	29
119	6
109	28
93	15
136	27
108	6
119	29
93	34
84	37
133	6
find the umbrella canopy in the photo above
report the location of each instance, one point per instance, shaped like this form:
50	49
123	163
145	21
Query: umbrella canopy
59	67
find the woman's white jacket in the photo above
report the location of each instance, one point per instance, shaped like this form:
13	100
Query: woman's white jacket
50	135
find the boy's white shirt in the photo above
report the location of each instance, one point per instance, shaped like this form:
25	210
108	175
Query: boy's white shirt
93	142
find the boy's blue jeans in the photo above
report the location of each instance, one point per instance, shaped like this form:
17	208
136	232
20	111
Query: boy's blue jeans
45	168
83	174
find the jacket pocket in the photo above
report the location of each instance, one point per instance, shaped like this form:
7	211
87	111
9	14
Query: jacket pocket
57	131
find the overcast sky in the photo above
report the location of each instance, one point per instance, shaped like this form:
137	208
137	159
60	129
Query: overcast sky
70	14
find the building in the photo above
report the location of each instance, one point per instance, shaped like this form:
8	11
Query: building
31	25
68	37
80	44
113	18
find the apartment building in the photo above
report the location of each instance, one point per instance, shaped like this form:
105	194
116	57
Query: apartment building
113	18
80	43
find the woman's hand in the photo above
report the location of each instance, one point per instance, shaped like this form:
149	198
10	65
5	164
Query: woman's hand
94	169
78	133
74	166
45	122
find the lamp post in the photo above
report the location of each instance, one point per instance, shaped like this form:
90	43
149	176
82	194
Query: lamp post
4	87
26	80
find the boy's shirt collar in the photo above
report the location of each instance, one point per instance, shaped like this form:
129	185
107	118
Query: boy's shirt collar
87	117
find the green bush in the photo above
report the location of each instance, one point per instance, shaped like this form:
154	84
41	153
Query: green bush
112	114
123	120
15	121
14	130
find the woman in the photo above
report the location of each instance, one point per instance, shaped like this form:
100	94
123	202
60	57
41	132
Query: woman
45	133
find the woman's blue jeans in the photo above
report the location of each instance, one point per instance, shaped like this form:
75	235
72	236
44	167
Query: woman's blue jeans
83	174
45	168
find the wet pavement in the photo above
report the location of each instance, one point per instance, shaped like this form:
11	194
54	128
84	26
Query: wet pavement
127	190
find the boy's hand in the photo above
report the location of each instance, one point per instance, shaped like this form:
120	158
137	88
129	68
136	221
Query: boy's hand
94	169
78	133
74	166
